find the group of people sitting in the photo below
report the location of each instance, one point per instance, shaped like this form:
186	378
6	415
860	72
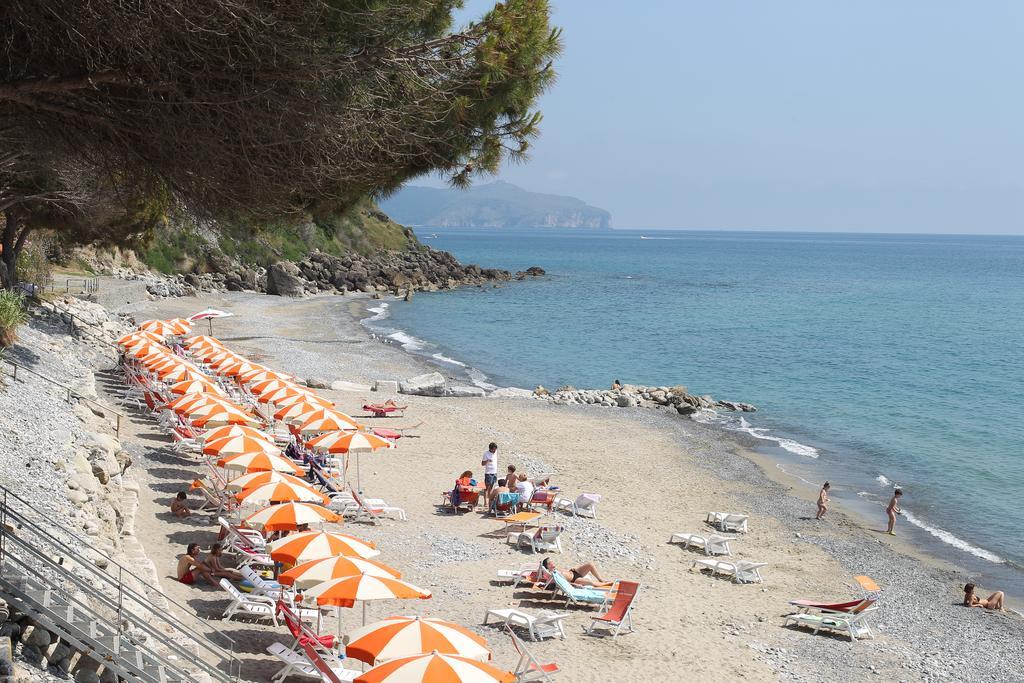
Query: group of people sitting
466	491
210	568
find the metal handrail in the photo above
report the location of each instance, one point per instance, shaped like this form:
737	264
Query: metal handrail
124	591
70	392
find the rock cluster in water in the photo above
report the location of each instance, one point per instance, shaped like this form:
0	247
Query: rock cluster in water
636	396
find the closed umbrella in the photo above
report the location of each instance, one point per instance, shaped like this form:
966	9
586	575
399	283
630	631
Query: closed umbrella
290	516
317	545
396	637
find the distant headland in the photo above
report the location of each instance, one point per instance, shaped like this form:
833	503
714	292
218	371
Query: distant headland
494	205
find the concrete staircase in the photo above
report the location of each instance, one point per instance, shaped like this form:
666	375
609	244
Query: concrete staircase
104	610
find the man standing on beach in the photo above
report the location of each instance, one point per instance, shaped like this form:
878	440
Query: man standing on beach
490	465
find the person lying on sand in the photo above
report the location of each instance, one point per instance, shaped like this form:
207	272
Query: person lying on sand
993	602
823	500
892	510
189	567
579	576
217	568
179	506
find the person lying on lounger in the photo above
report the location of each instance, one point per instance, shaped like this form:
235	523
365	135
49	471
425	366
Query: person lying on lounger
992	602
580	576
190	568
217	568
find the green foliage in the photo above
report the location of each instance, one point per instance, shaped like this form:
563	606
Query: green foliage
34	261
173	250
12	310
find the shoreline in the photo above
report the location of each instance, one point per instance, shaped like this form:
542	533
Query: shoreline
685	620
925	542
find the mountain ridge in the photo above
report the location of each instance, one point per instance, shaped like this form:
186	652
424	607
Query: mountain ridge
495	205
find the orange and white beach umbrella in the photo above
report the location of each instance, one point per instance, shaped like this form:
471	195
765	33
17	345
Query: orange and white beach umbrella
261	375
290	516
253	479
189	403
223	360
178	372
259	462
435	667
165	328
233	445
397	637
280	393
317	545
272	384
221	417
201	339
309	574
299	411
145	348
307	397
347	590
235	430
212	354
282	492
347	442
195	386
138	335
327	421
241	367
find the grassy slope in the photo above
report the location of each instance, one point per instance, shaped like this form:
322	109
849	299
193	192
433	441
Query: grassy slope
363	229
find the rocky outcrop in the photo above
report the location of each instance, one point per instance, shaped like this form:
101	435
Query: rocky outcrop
430	384
396	272
634	396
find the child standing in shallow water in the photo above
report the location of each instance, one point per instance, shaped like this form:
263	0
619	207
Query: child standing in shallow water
893	509
823	500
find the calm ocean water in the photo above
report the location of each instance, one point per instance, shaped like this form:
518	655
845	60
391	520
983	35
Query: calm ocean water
873	359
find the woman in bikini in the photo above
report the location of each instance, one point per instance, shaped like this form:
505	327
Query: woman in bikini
579	576
992	602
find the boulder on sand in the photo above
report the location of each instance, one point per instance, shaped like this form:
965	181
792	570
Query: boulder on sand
284	279
465	392
430	384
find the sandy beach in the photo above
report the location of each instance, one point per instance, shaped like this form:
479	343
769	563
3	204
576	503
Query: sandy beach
657	474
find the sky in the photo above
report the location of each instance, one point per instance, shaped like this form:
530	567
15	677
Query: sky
867	116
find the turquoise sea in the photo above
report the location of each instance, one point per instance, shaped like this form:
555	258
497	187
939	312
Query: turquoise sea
874	360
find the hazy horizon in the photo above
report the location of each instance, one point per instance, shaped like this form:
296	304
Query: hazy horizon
789	117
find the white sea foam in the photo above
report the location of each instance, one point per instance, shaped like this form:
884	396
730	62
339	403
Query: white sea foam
445	359
952	540
379	312
408	342
480	379
790	445
884	482
864	494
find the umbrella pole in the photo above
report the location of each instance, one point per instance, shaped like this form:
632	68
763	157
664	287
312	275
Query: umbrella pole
210	320
364	612
338	608
359	480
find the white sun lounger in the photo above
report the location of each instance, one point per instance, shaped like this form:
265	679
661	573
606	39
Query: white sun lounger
711	545
255	606
854	625
584	503
544	539
298	664
728	521
540	626
742	571
527	573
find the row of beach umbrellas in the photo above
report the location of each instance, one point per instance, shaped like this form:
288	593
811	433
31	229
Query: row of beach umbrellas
331	568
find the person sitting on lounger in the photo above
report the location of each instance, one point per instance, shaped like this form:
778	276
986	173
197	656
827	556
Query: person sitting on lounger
179	506
524	488
580	576
992	602
190	568
217	568
464	491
